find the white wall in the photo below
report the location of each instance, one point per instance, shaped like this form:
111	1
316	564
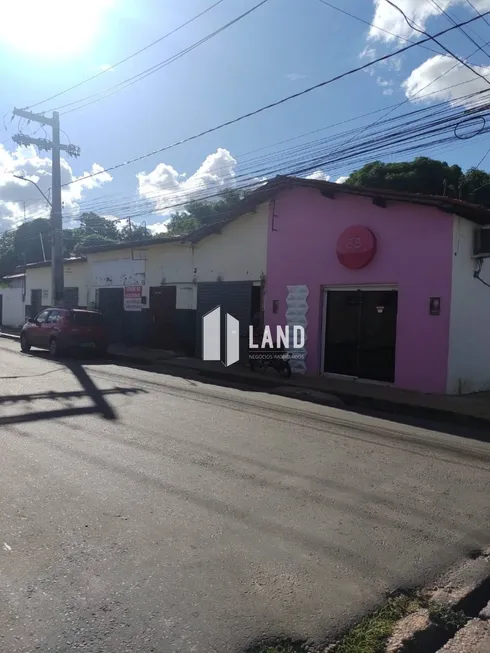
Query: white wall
13	307
238	253
76	276
169	263
469	329
161	264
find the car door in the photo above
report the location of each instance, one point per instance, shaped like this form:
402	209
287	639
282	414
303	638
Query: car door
35	329
48	328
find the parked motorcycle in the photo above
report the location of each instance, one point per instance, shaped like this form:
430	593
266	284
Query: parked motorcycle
262	358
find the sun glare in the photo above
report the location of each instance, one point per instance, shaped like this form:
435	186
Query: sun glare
51	27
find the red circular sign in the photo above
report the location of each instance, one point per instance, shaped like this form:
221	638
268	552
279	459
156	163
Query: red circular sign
356	247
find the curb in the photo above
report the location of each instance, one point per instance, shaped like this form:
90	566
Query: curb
9	336
347	399
456	605
316	395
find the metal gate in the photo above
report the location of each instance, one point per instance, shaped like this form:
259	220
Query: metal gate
111	304
234	297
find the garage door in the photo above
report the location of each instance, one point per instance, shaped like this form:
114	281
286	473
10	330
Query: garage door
234	297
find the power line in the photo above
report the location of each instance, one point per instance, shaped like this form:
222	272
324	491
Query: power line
134	54
304	157
408	99
476	11
483	158
272	104
366	22
453	22
433	38
101	95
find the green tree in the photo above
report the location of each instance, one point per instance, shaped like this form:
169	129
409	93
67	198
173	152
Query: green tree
476	187
32	241
199	213
422	175
93	240
181	223
136	232
8	257
93	224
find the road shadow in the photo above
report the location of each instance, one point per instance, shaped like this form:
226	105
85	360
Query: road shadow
89	390
273	384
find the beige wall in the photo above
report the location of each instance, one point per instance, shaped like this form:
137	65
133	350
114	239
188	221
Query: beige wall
76	276
238	253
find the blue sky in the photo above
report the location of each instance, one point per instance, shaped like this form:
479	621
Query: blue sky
282	47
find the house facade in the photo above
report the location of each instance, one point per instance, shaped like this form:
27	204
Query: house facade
390	287
38	284
384	285
12	304
180	279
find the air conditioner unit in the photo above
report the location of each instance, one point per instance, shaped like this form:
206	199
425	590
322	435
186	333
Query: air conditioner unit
481	242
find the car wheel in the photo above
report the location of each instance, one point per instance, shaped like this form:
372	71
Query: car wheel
24	344
53	347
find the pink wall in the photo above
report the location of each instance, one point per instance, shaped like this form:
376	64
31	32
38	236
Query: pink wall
414	251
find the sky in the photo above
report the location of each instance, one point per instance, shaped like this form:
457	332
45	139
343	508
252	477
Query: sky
280	48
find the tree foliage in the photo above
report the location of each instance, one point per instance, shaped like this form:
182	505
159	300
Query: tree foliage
426	176
200	213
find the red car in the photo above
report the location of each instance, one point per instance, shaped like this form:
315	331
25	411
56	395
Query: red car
61	330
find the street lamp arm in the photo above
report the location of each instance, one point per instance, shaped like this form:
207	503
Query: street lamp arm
34	183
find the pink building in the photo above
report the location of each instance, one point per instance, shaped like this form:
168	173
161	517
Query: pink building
387	285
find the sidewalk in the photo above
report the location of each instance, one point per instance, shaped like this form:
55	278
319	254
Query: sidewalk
467	410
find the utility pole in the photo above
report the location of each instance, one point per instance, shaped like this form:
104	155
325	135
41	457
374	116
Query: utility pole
57	272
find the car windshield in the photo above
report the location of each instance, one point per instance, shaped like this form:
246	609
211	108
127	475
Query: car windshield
86	319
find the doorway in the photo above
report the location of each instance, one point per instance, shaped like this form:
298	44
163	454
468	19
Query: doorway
163	310
360	334
110	302
36	301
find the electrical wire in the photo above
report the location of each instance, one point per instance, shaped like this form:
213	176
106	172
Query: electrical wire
101	95
412	133
381	29
134	54
483	159
269	106
433	38
408	99
476	11
453	22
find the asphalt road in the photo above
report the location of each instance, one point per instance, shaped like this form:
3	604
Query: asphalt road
143	512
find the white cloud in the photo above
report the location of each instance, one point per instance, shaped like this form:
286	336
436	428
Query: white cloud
368	53
167	188
14	192
318	175
418	11
386	85
441	66
158	228
341	180
294	77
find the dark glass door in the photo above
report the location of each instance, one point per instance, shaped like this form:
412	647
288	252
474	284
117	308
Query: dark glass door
163	309
360	334
342	332
377	335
